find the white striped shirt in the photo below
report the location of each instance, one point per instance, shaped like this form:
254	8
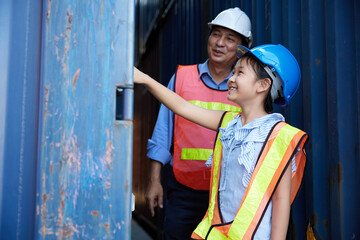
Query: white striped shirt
241	149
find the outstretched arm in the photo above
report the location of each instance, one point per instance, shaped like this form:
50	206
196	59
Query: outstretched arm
204	117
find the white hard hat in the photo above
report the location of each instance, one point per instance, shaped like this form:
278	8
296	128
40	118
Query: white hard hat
236	20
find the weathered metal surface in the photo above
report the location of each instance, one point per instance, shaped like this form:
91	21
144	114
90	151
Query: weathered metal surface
84	169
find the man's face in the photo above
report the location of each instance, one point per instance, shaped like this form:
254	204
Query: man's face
221	45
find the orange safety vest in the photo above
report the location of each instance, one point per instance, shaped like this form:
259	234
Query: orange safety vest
278	151
193	144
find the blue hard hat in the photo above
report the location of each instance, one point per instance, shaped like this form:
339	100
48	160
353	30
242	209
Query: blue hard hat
281	66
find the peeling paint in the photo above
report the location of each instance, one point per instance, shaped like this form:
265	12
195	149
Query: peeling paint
95	213
102	9
126	186
46	101
75	78
48	13
69	17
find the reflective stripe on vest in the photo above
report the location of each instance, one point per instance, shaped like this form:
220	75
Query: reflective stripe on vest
203	228
201	153
279	149
216	106
192	143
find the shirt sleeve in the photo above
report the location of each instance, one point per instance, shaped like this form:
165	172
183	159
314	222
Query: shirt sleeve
159	145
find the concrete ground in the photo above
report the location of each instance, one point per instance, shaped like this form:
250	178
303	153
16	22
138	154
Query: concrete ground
137	233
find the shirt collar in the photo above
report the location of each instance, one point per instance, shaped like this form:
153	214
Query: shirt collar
236	122
260	121
204	69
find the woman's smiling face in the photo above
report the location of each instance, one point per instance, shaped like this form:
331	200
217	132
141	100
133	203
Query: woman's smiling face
243	83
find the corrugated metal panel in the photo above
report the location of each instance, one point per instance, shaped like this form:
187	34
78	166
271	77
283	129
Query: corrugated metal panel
84	170
19	66
324	37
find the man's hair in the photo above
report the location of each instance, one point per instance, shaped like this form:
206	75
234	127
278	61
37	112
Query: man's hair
260	72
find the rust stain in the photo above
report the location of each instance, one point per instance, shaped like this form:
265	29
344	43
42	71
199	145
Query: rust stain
60	218
51	168
58	130
69	17
102	9
49	9
43	180
95	213
75	78
107	227
68	28
317	61
126	184
336	175
43	232
43	215
44	198
112	45
109	149
68	231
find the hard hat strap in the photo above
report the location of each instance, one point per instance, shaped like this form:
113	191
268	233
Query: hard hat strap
276	83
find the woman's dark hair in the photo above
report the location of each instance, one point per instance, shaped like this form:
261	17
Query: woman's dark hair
260	72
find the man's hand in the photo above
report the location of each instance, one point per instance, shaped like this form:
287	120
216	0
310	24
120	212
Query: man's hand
154	196
154	193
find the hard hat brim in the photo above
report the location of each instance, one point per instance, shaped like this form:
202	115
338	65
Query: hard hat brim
242	50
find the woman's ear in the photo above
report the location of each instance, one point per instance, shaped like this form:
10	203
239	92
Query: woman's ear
264	85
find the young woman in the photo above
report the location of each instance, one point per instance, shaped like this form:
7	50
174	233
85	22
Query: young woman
258	159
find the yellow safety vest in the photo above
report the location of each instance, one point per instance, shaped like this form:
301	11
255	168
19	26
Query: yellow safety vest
278	151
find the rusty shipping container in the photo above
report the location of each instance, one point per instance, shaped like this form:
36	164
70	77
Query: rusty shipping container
66	110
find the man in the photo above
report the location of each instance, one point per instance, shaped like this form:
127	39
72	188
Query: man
186	146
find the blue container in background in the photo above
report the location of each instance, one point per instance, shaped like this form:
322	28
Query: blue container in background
324	37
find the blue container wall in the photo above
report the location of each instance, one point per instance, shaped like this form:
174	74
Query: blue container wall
20	69
66	109
84	171
324	36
